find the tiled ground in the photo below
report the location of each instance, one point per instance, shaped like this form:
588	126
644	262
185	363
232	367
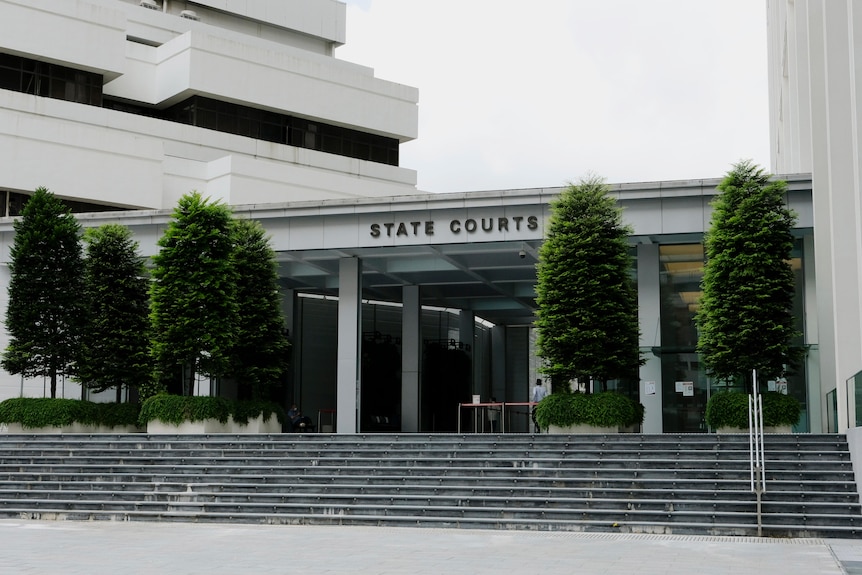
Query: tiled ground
94	548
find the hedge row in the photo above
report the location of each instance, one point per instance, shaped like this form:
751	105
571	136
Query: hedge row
36	412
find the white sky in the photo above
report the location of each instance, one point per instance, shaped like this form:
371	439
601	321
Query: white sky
538	93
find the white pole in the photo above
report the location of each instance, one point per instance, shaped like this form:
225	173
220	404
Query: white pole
751	438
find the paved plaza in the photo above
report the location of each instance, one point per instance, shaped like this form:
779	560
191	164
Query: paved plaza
105	547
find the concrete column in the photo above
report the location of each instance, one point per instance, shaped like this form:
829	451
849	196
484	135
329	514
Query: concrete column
288	309
466	324
288	312
349	338
835	50
498	357
816	402
411	350
649	306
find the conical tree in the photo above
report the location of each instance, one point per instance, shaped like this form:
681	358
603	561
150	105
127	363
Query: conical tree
115	344
46	303
193	308
259	358
587	305
745	317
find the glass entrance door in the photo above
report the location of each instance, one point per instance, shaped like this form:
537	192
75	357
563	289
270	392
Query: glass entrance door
684	385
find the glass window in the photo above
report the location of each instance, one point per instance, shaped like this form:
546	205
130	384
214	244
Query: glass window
51	80
684	383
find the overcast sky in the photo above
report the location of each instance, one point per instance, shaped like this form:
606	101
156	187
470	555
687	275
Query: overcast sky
538	93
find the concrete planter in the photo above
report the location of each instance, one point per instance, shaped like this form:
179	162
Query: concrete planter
256	425
580	428
72	428
766	429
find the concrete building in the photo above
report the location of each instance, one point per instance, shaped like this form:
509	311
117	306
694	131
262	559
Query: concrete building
400	305
815	82
136	103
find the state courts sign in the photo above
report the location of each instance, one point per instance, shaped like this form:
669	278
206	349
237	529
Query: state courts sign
452	227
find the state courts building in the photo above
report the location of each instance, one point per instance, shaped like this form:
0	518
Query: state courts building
401	304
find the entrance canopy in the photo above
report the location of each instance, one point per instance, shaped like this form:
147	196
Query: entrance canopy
496	280
475	252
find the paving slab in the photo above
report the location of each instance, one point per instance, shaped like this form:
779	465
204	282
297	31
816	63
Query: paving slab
133	548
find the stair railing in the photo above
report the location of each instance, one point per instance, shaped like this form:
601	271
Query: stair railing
755	450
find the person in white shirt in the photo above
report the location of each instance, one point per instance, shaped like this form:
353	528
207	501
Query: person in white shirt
538	394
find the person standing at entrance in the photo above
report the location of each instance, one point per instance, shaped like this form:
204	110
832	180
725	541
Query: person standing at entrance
538	394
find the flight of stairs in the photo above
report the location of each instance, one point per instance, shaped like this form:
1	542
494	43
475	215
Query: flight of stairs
633	483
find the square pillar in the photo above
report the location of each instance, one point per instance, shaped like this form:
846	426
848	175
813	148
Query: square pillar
411	348
466	325
649	316
349	340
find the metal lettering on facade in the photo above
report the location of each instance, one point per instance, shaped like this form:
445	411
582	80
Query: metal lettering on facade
456	226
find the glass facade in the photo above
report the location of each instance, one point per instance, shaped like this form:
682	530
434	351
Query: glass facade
49	80
54	81
271	127
685	385
12	204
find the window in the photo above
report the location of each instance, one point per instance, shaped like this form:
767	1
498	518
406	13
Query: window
62	83
50	80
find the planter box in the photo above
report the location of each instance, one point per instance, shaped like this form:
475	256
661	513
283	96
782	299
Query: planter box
766	429
72	428
256	425
580	428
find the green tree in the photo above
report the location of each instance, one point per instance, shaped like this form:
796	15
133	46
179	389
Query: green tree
259	358
745	317
46	303
193	308
587	305
115	344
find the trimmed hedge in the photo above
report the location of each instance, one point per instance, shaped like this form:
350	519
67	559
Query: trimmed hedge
175	409
605	409
730	409
36	412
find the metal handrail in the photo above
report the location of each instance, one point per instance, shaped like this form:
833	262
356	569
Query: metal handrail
756	453
501	404
491	404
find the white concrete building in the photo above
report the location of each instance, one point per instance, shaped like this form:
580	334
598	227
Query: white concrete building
400	304
242	101
815	54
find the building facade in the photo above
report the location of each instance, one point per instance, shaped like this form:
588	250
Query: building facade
241	101
400	305
815	83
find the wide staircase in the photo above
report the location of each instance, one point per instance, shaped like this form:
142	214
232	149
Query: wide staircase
632	483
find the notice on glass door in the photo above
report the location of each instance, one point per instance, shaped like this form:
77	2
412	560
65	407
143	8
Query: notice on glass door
686	388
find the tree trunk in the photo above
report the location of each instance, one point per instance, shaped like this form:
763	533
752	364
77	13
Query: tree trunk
558	385
119	392
53	383
191	381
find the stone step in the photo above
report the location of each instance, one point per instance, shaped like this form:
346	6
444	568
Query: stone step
271	512
412	473
400	460
508	523
474	453
825	442
454	490
293	476
405	498
639	483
